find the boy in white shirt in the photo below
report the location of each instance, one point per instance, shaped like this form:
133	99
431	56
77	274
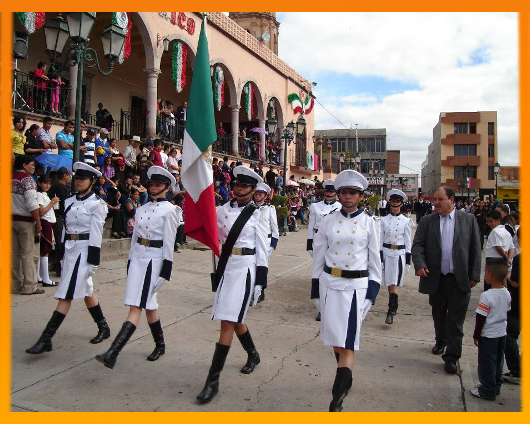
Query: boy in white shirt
500	242
490	330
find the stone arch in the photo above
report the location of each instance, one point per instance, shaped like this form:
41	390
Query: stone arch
257	93
192	49
147	35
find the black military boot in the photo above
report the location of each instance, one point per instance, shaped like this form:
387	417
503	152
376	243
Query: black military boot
392	300
395	304
109	357
158	337
211	387
44	344
253	355
101	322
343	383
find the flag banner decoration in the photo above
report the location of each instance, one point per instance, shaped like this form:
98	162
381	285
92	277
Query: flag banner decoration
249	95
315	161
31	20
219	88
178	65
301	105
123	20
310	161
199	135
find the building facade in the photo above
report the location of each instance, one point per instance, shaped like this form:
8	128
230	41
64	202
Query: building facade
462	154
355	148
256	84
508	185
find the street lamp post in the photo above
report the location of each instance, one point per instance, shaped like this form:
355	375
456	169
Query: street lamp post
496	169
77	28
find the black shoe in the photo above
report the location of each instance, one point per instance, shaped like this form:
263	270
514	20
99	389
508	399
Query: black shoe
318	317
253	355
450	367
158	337
261	297
438	349
389	318
211	387
109	357
44	344
52	284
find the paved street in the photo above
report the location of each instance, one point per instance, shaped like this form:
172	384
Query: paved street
394	370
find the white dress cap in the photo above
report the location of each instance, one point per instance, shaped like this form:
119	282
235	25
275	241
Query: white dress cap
263	187
396	192
82	169
246	175
351	179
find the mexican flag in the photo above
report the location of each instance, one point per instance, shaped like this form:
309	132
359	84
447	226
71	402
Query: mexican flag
199	135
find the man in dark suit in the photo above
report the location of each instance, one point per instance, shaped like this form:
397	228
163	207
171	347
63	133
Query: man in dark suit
181	120
446	255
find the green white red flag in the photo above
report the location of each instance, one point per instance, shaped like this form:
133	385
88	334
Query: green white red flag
201	218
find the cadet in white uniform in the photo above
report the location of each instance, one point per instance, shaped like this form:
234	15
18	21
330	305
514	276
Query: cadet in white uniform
245	272
268	214
395	249
85	215
316	212
347	269
149	265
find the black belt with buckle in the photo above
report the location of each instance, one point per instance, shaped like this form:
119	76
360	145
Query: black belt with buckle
346	274
394	246
269	235
150	243
315	230
83	236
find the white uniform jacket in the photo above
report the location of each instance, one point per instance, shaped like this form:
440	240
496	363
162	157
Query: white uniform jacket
82	233
242	272
268	214
316	212
152	257
395	247
348	242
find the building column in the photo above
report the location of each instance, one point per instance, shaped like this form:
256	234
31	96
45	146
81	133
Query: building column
152	95
234	122
262	141
73	90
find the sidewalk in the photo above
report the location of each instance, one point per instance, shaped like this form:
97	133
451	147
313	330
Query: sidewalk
394	370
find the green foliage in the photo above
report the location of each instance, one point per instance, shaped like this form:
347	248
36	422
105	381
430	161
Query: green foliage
281	213
278	200
373	201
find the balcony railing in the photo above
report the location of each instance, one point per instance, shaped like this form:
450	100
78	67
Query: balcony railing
32	94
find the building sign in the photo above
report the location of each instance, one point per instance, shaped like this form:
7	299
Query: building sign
375	180
179	19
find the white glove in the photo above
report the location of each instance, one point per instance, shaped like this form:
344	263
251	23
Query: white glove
317	303
310	252
407	269
158	284
271	249
257	294
90	271
365	308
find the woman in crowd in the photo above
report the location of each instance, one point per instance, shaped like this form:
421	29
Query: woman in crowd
118	160
131	203
172	163
149	266
17	134
83	228
347	271
108	192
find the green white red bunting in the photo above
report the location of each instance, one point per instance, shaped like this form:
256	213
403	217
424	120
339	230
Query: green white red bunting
219	87
178	65
123	20
199	135
31	20
249	96
301	105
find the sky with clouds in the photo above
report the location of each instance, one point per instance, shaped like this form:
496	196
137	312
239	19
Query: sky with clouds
400	70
